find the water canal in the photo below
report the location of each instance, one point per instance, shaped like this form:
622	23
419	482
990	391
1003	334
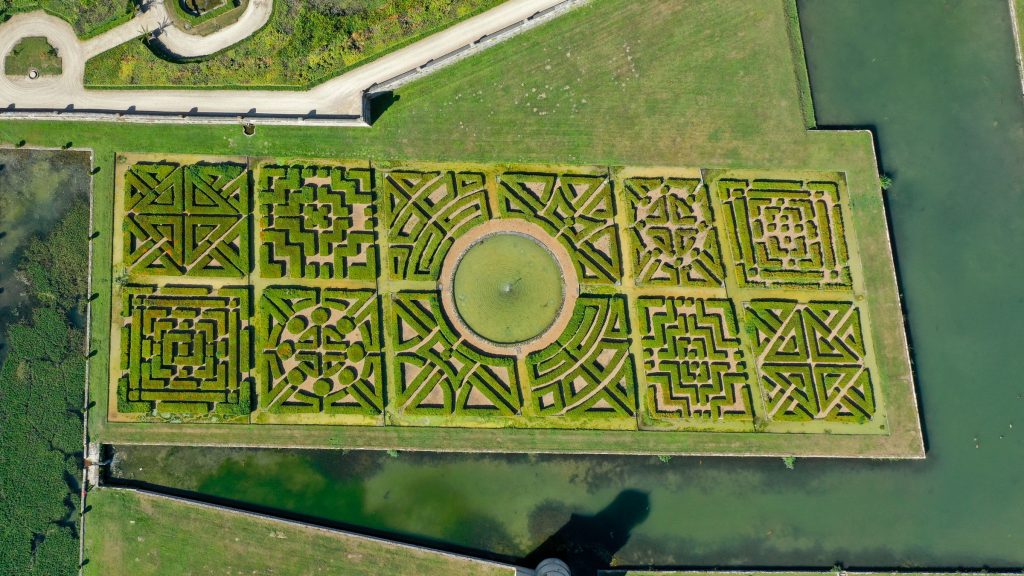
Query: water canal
938	82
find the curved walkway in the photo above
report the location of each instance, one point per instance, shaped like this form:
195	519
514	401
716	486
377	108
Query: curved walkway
339	101
186	45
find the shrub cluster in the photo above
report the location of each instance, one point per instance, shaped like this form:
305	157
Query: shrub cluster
41	388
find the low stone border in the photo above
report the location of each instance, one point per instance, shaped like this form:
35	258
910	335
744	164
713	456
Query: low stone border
446	285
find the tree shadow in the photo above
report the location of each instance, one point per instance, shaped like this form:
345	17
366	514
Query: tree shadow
588	543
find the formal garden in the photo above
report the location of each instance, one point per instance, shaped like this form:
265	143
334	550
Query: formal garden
253	290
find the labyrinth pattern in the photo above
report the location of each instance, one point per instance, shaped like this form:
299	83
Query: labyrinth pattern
693	359
811	360
786	232
187	220
577	209
320	351
673	236
437	374
426	212
185	350
317	222
589	370
722	303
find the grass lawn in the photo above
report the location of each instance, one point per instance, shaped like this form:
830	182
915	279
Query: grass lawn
585	89
135	534
32	52
87	17
305	43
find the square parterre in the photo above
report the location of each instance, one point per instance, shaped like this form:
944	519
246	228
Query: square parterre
186	219
317	222
185	349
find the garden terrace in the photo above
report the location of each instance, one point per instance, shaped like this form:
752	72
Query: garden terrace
256	291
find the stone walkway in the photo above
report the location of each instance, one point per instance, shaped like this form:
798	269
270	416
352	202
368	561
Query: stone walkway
339	101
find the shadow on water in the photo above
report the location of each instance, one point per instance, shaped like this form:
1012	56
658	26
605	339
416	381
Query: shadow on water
310	520
588	543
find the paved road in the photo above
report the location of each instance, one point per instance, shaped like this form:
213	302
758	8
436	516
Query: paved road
340	96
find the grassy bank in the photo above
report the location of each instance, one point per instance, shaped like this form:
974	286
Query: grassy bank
305	43
141	535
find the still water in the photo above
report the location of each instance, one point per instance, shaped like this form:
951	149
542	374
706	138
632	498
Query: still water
938	81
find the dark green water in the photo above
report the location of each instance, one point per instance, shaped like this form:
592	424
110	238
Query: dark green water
37	187
938	81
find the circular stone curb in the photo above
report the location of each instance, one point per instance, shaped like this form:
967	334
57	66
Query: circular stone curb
446	285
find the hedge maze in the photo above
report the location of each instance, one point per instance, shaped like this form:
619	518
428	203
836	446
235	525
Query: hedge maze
318	222
811	360
589	370
577	209
187	220
786	232
694	359
426	211
320	351
674	239
185	349
436	374
293	292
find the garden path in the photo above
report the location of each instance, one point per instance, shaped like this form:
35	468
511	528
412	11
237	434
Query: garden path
337	101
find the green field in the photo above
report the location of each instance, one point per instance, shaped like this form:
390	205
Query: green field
32	53
131	533
305	43
87	17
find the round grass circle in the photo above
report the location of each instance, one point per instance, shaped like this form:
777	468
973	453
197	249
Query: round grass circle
508	288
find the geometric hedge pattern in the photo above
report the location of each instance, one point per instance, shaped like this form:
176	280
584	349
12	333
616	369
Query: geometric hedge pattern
786	232
317	222
673	233
185	349
811	360
693	359
707	302
320	351
437	374
187	220
589	370
577	209
425	213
